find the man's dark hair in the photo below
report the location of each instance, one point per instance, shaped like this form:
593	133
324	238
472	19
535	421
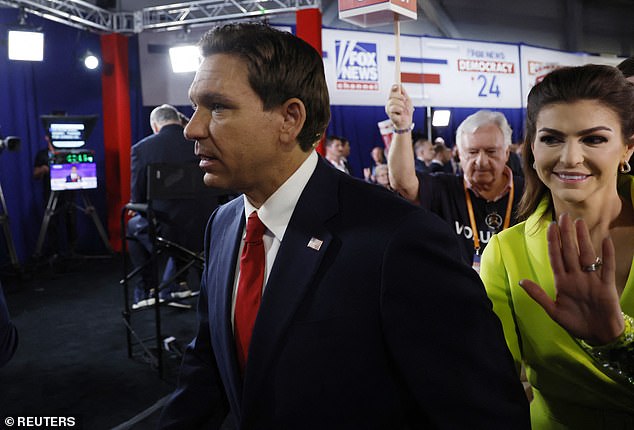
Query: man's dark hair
627	67
439	148
331	138
280	66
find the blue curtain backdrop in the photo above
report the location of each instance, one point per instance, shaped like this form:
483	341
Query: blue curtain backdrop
28	90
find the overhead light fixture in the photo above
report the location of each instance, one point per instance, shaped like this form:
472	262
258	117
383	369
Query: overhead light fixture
90	61
26	45
184	58
441	118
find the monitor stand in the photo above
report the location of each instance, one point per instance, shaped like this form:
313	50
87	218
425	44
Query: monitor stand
52	209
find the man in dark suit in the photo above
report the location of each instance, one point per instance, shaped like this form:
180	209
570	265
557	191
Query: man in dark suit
360	314
167	144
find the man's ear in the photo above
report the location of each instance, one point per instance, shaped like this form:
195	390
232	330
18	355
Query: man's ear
294	114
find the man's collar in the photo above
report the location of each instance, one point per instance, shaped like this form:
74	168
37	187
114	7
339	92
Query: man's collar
275	213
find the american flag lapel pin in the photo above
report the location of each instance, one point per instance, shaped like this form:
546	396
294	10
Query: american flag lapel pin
315	243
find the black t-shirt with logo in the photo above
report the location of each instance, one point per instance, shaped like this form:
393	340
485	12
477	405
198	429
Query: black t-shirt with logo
443	194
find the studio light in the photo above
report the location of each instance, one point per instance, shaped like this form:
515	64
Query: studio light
441	118
26	45
90	60
184	58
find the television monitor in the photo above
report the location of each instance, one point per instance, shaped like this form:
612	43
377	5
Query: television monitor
68	131
73	170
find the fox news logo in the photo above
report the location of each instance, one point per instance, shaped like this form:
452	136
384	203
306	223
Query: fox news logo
357	66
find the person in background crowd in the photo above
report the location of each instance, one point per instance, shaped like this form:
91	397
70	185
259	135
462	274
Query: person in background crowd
439	140
382	176
377	154
476	204
441	162
41	168
345	153
334	153
517	148
573	254
424	154
166	145
322	323
455	161
515	162
8	333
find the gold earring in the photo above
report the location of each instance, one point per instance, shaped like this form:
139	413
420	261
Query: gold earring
625	167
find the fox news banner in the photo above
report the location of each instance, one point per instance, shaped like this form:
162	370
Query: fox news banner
435	72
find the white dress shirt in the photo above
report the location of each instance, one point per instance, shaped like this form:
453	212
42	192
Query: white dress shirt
275	213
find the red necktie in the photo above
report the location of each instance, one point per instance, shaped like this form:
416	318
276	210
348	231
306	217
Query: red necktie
249	287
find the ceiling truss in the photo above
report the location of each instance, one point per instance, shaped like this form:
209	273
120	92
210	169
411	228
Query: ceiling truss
81	14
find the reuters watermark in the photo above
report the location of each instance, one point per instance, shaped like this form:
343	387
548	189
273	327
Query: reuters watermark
40	422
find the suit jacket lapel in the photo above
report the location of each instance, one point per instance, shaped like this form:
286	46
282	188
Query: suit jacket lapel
221	270
292	272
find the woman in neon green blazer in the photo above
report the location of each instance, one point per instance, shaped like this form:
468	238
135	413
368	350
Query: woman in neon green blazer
570	321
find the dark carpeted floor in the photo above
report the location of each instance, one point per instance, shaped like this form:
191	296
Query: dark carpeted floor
72	358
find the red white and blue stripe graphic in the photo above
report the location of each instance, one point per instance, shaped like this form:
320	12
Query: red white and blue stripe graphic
419	78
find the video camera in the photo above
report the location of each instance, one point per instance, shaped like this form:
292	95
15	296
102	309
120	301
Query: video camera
12	143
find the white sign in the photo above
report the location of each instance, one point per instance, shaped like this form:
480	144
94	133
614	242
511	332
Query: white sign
538	62
470	74
435	72
356	64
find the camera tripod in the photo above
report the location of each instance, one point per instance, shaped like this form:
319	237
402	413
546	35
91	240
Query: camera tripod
52	209
4	220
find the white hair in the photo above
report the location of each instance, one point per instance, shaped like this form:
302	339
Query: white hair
165	114
482	118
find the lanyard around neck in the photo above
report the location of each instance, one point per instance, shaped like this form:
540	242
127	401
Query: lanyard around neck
474	227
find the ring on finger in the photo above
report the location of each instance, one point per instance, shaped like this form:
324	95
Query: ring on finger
594	266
